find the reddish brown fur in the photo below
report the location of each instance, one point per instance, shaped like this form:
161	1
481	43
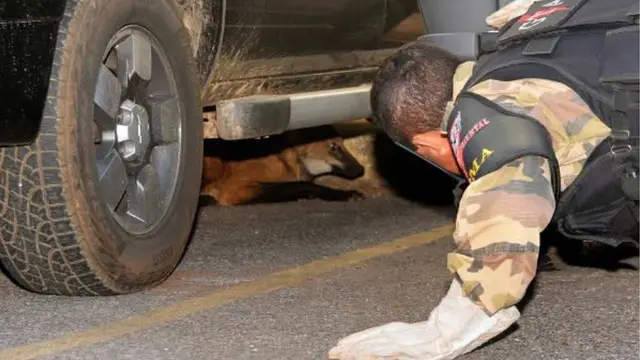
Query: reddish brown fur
235	182
232	177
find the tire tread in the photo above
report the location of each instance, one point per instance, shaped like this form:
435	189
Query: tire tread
37	231
49	242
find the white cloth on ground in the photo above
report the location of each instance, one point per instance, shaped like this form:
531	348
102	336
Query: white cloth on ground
455	327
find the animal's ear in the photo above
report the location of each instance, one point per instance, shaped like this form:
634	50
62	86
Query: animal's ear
334	146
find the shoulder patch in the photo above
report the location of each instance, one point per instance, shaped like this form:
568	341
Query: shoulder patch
459	143
542	16
484	136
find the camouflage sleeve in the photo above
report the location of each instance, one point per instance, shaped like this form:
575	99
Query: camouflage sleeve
498	232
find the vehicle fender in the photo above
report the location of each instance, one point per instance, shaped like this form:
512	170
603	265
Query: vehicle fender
204	20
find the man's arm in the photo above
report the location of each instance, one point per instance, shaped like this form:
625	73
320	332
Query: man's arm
498	232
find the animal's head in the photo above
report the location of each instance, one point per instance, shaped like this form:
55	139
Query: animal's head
329	157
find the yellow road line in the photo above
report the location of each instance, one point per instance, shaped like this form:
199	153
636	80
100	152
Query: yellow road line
264	285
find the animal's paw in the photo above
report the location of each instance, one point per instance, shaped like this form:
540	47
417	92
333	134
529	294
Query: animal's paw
355	196
207	200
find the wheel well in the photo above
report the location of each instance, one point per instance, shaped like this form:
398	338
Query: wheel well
203	20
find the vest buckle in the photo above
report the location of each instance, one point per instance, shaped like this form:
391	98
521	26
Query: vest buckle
618	150
619	135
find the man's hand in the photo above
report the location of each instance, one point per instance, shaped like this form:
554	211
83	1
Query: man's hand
455	327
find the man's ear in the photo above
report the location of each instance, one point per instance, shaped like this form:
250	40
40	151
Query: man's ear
435	146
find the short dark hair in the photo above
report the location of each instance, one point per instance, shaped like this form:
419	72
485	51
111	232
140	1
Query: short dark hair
411	90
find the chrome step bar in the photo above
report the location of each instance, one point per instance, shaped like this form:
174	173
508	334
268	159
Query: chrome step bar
264	115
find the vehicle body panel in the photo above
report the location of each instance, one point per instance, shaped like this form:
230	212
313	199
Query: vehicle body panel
242	47
285	46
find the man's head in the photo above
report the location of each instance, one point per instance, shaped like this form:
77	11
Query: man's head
410	94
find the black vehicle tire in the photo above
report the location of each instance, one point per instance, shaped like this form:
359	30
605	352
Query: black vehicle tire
58	236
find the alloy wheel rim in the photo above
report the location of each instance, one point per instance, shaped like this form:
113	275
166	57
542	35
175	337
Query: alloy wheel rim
137	129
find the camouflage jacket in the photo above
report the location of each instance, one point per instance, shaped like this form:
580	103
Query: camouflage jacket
502	213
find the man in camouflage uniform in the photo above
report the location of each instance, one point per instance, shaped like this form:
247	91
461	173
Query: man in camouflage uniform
518	198
501	214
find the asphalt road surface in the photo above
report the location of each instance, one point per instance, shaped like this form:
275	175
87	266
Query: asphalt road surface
288	281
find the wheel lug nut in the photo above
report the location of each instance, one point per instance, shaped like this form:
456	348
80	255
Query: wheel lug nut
128	149
125	118
132	131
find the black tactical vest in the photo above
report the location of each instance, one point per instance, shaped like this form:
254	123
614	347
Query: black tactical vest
592	46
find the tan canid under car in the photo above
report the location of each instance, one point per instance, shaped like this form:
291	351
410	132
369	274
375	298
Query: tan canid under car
281	168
